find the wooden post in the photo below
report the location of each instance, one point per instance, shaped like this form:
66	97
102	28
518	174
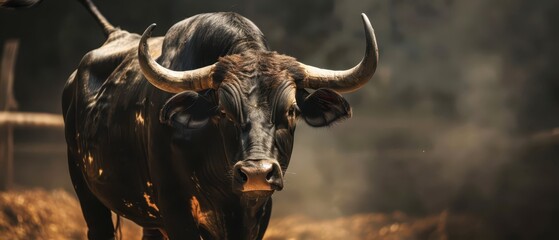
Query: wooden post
7	103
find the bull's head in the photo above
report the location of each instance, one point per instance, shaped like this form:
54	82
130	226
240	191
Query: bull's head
259	97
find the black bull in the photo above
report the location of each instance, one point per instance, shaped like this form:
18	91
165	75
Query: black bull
193	143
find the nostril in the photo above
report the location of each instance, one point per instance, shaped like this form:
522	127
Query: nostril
243	178
270	175
274	175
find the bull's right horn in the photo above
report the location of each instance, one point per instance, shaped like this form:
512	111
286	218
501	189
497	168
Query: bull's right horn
169	80
346	80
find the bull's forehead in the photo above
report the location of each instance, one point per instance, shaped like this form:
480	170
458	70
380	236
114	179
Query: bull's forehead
256	82
266	69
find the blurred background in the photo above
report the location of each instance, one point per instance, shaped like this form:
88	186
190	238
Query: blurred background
461	117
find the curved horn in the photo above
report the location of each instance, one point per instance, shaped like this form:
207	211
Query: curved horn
169	80
345	80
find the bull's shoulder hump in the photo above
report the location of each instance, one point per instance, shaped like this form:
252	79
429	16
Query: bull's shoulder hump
113	63
120	45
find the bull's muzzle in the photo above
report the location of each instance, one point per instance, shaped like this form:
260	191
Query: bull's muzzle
257	175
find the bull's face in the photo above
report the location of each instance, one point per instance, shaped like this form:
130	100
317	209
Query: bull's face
259	106
257	99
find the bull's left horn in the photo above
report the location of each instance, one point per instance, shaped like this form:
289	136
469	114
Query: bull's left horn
345	80
167	79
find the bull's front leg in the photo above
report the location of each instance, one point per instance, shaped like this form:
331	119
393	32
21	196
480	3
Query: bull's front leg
173	206
176	213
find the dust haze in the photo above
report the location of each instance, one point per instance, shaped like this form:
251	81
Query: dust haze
448	122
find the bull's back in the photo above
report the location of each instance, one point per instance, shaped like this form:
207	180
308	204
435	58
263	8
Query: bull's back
104	103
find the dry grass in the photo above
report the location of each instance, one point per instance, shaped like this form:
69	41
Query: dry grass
39	214
46	215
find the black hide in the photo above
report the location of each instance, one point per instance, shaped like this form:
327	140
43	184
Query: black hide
166	161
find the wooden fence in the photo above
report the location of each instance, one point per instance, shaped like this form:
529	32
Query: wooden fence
10	118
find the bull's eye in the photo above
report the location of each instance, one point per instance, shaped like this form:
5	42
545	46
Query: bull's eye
293	111
290	117
224	115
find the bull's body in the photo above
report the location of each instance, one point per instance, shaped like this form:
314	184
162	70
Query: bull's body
140	168
191	139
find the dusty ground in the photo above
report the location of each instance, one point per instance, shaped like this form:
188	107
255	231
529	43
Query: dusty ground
38	214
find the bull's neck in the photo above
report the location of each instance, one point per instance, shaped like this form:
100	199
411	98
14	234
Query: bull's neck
256	214
244	46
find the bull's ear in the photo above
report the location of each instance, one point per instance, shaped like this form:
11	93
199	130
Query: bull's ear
187	109
323	107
